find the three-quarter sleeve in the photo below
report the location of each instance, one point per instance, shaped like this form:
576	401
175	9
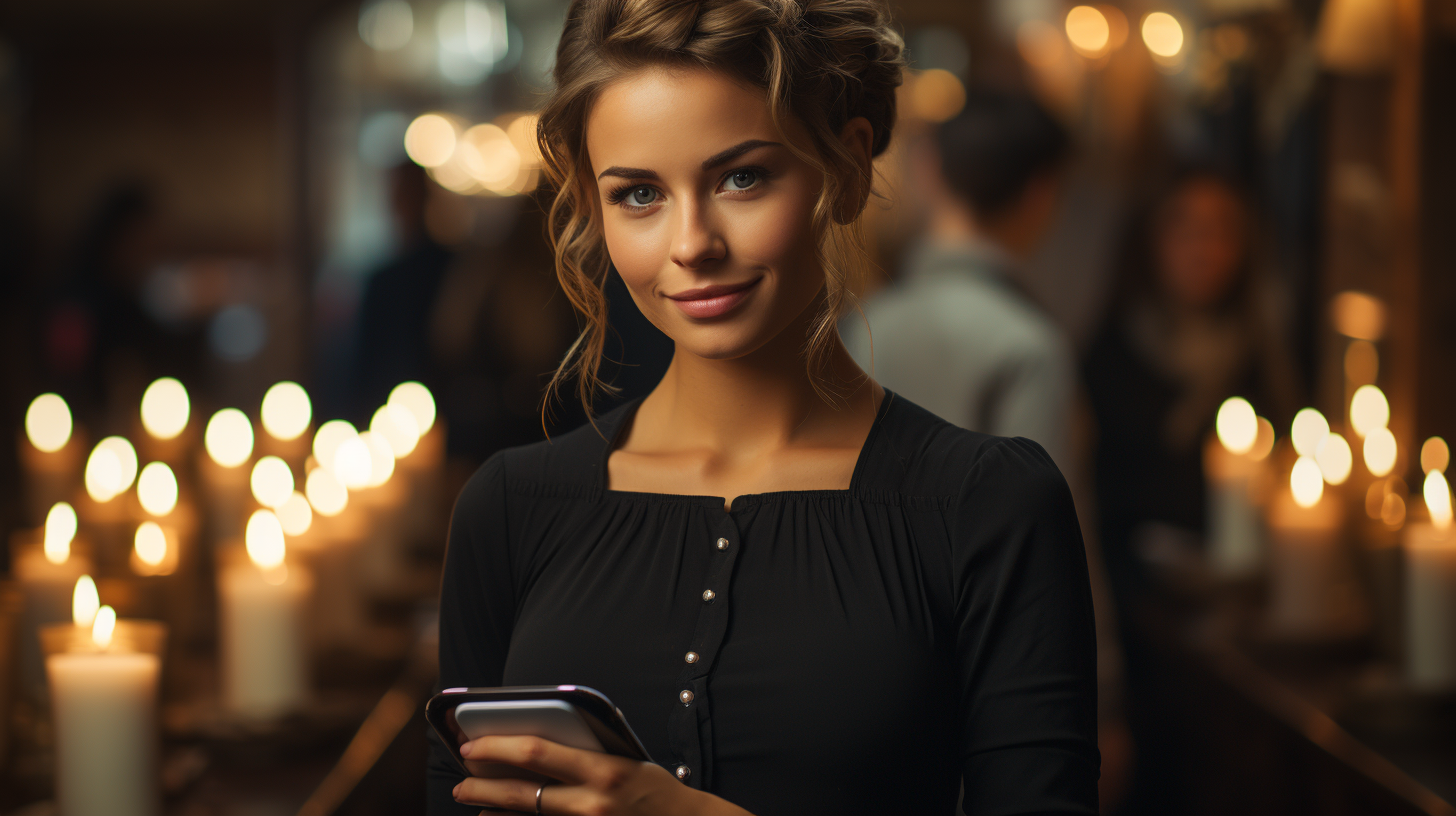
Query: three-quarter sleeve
477	610
1026	644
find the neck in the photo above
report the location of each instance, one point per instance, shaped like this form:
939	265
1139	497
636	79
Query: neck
954	223
763	400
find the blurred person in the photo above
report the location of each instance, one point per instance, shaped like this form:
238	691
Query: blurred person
392	332
808	594
956	333
100	344
1190	324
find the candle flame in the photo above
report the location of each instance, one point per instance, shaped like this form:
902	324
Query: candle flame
295	515
353	463
329	437
326	494
286	411
103	627
1309	429
151	543
60	529
1306	482
84	601
1435	455
157	489
1334	458
48	423
229	437
396	424
415	398
1438	499
264	540
165	408
1237	425
1368	410
110	469
272	482
381	458
1380	451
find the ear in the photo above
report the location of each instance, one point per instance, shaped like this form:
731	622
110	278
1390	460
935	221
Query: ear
857	137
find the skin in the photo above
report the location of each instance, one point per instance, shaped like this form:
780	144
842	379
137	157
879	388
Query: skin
1200	243
737	412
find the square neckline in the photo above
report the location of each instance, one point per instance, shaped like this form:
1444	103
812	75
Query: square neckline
629	412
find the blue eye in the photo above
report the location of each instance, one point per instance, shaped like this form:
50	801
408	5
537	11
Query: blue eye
740	180
641	196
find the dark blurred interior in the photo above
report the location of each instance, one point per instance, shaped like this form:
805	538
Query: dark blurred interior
1232	198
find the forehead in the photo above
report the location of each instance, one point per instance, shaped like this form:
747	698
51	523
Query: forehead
658	117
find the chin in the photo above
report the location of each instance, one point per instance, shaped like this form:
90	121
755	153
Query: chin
723	341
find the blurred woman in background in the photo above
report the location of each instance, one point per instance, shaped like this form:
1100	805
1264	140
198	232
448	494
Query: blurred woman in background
1191	323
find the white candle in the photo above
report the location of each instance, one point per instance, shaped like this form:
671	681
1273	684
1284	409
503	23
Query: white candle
1233	463
1313	592
1430	592
104	702
262	603
50	454
47	577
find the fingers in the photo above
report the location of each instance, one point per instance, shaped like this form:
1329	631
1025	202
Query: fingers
571	765
520	795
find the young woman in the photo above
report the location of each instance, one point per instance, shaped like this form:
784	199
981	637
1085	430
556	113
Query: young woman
806	594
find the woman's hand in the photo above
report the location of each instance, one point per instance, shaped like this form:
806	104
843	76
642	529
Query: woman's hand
591	782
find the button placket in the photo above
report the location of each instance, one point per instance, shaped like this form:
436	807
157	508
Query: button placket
690	724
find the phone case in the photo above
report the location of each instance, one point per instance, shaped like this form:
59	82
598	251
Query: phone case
605	720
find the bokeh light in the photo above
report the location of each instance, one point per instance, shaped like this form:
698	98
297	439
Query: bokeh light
229	437
271	481
397	424
937	95
295	515
264	540
326	494
60	530
103	627
286	411
85	600
353	463
1237	424
48	423
111	468
381	458
1435	455
328	438
1309	429
157	489
1358	315
1264	441
1368	410
489	156
1380	451
386	25
150	543
1162	34
1438	499
1306	482
1088	30
429	141
165	408
1334	458
415	398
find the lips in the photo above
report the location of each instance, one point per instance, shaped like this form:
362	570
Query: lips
713	301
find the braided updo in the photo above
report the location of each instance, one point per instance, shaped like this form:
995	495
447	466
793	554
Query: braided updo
820	62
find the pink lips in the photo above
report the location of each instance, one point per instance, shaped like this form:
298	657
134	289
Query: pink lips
713	301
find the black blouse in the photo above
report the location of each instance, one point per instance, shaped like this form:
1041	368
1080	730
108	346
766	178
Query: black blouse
839	651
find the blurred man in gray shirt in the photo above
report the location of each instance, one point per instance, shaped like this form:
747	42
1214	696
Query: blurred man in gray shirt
956	334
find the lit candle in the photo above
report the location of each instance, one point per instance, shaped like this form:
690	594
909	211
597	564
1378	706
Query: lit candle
1313	593
104	704
165	410
262	600
47	571
422	466
50	454
1232	463
286	415
1430	591
228	442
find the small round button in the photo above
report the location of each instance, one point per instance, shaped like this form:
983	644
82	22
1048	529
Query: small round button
691	657
722	543
683	772
686	696
709	595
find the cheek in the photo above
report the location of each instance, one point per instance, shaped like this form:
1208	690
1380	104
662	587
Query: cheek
777	233
636	249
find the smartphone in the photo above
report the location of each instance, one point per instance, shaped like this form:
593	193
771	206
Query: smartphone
577	716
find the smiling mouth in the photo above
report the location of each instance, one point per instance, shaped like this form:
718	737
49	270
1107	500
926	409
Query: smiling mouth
713	301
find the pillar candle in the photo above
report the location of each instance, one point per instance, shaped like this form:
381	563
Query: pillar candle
1235	523
1312	587
1430	605
104	704
50	476
46	589
263	656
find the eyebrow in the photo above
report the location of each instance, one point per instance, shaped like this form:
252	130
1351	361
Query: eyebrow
715	160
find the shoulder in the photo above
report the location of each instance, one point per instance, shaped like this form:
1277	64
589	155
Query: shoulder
966	308
918	454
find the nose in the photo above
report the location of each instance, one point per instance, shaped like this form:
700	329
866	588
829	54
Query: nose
697	240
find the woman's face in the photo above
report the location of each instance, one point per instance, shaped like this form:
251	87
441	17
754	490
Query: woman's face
1201	243
705	210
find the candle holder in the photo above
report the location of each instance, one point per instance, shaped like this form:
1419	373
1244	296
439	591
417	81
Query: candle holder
46	589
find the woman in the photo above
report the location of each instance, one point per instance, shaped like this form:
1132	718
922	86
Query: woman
806	594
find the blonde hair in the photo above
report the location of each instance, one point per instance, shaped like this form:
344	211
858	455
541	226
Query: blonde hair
820	62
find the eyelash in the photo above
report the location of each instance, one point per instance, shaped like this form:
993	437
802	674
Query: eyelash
618	195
